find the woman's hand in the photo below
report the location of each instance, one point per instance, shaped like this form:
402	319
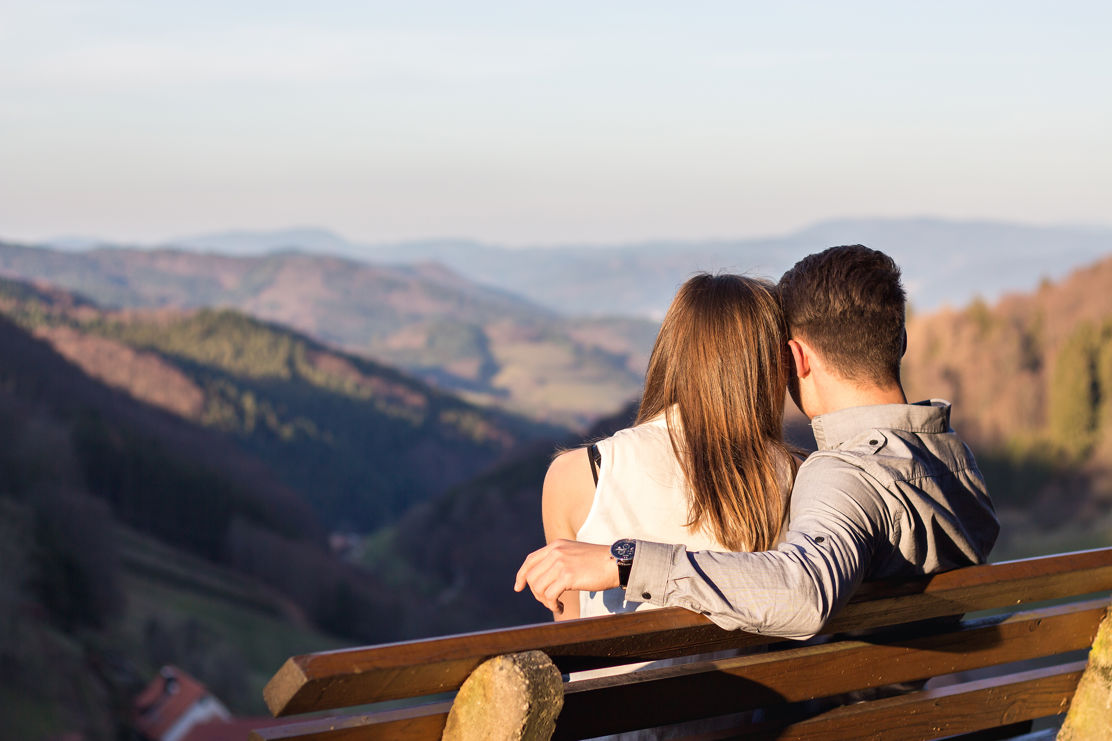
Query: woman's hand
565	565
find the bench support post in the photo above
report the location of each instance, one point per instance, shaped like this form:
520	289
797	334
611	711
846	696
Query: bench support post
508	698
1090	714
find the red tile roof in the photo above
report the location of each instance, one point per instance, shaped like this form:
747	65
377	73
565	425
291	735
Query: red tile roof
165	700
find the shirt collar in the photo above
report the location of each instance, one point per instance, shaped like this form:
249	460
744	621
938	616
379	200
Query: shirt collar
835	428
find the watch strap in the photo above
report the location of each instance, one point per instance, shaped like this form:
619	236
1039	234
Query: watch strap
623	573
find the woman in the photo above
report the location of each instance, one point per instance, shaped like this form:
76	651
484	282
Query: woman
704	465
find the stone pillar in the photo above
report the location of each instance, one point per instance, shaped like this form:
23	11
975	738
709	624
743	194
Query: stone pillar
515	697
1090	715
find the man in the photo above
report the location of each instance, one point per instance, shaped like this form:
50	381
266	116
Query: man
891	492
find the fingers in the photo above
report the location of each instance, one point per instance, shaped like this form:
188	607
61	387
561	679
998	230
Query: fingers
565	565
545	576
544	581
549	583
527	566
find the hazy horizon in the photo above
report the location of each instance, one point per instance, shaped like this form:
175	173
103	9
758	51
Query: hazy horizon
87	241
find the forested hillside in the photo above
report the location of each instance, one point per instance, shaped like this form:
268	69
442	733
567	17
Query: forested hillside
355	438
131	537
1031	382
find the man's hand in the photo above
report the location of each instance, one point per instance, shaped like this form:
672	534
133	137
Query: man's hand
566	564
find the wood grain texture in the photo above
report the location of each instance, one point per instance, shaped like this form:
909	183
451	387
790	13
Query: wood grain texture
422	723
358	676
680	693
932	714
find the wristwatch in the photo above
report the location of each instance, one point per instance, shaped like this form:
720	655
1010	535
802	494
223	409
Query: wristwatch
622	551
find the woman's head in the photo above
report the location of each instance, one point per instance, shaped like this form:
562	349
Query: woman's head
721	360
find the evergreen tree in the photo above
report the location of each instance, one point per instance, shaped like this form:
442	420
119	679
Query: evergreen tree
1075	393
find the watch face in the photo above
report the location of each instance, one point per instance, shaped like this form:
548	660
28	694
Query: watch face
623	550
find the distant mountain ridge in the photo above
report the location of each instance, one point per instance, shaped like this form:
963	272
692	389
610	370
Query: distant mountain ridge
947	261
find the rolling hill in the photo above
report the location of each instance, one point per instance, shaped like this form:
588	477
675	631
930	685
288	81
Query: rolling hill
360	441
483	342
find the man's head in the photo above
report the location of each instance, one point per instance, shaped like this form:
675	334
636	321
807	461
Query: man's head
846	305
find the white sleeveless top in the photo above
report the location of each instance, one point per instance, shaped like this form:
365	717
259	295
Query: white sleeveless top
641	493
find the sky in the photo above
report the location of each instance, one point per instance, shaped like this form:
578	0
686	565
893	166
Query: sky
528	123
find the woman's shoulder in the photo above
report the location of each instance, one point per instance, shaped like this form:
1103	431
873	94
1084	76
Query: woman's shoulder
566	464
567	492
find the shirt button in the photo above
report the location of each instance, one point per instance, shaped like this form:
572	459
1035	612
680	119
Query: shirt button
820	539
873	442
646	595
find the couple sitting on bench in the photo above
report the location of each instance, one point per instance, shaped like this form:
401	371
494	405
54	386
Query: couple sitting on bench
702	505
708	509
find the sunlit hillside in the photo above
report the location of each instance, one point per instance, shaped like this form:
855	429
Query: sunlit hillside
1031	382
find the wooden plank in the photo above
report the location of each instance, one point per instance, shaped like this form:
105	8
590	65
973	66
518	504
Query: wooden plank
421	723
335	679
358	676
932	714
655	697
675	694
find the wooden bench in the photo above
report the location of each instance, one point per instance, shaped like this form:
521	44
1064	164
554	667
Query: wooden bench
890	643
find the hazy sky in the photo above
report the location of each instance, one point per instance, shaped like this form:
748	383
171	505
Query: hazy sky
522	123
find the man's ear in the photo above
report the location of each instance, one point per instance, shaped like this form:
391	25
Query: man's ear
801	358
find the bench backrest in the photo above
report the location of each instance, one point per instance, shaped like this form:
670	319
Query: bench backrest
353	677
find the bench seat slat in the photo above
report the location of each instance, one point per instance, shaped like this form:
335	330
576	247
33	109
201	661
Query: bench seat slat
421	723
931	714
653	697
351	677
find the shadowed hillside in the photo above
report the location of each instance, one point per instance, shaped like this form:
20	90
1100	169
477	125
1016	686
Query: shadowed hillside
353	436
130	537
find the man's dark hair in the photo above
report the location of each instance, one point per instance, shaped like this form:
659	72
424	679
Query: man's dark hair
848	304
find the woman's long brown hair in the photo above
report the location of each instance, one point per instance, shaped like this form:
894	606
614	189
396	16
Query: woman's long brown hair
721	362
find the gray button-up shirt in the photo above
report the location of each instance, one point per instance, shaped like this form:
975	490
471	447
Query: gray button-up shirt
891	492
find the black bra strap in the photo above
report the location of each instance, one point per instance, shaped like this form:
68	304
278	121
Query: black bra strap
595	457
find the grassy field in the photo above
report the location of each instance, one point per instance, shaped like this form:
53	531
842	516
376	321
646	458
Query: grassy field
229	623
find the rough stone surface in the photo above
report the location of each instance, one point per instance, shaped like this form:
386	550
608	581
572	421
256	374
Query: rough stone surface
515	697
1090	714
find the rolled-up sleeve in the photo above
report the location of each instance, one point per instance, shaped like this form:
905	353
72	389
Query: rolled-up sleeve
789	592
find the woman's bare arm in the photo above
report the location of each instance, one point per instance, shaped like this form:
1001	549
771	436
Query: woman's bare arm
569	491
